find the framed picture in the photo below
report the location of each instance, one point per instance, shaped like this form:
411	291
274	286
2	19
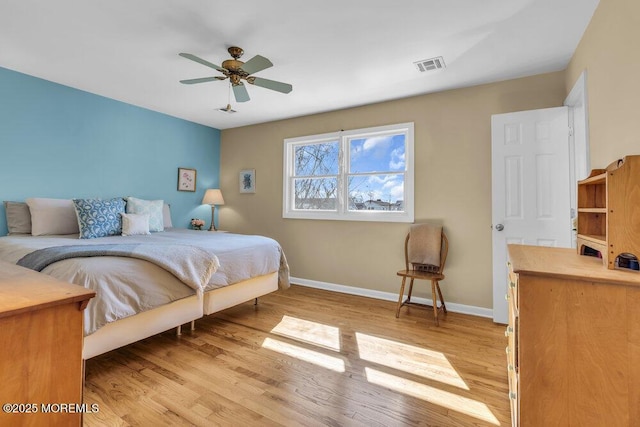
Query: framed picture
186	179
247	181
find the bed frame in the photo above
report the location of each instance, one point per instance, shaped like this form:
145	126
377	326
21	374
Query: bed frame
228	296
173	315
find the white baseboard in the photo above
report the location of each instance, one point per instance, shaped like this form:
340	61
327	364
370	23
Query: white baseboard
388	296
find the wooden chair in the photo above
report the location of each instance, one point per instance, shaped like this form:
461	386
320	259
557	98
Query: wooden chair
434	276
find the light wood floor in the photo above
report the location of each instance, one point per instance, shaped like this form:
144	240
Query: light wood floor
308	357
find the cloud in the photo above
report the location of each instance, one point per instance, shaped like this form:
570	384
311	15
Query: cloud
397	192
383	187
376	146
381	142
381	179
397	159
394	188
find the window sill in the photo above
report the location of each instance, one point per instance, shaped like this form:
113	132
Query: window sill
364	216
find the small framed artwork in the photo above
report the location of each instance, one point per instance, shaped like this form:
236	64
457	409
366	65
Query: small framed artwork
247	181
186	179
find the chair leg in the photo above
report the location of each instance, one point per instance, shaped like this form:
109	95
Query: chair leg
435	301
410	290
444	307
404	279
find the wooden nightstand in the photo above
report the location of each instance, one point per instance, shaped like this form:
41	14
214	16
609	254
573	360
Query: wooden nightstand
41	337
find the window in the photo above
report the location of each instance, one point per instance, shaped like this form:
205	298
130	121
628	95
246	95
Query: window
361	175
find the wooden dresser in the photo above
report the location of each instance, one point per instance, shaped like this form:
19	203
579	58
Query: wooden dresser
41	336
573	340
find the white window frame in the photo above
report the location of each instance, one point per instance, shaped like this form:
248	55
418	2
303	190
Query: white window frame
342	212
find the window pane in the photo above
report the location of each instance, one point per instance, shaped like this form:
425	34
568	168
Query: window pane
317	159
316	193
376	192
377	154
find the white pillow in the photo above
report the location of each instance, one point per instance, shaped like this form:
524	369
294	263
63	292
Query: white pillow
166	215
151	207
52	216
134	224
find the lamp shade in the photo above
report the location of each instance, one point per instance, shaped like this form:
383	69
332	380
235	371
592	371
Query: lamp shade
213	196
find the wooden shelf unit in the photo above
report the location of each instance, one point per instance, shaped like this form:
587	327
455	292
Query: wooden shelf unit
608	208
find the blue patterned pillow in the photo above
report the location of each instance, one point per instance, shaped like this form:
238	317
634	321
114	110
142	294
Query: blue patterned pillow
151	207
99	218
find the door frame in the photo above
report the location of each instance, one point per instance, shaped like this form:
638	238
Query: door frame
580	166
580	126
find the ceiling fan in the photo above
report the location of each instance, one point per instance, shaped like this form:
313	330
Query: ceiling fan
237	71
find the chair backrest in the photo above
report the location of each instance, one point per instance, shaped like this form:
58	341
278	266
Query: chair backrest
444	250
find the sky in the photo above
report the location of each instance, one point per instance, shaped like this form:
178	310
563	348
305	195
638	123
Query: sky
378	154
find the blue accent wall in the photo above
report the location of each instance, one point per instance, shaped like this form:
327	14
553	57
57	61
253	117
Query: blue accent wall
61	142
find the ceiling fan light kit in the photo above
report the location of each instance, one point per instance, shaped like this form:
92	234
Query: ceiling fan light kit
227	109
237	71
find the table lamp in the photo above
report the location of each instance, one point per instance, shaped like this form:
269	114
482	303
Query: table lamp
213	197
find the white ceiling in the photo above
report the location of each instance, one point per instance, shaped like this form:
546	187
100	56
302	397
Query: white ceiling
335	53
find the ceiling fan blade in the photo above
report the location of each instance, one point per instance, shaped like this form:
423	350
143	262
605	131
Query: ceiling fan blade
255	64
202	61
240	92
272	84
200	80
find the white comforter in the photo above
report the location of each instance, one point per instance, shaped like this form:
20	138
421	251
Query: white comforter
126	286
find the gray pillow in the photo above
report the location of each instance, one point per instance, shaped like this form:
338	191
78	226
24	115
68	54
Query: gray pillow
18	217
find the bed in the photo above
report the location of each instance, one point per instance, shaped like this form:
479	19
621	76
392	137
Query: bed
137	297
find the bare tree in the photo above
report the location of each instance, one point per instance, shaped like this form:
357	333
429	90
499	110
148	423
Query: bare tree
317	167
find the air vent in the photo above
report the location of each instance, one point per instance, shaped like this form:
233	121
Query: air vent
430	64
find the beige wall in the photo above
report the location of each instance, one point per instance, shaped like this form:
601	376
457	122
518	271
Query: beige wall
452	185
609	52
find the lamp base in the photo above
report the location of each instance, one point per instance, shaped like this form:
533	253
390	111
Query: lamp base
213	219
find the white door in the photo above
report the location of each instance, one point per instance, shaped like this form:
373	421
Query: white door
530	188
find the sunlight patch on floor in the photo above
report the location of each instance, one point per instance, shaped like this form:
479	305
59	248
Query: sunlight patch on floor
405	358
414	360
310	332
452	401
329	362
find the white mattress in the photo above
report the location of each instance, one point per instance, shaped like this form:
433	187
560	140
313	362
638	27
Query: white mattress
126	286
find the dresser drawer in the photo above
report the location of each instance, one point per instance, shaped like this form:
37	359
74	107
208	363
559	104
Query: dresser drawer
512	375
512	288
511	332
512	340
513	398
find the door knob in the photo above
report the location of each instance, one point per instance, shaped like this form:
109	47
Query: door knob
499	227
